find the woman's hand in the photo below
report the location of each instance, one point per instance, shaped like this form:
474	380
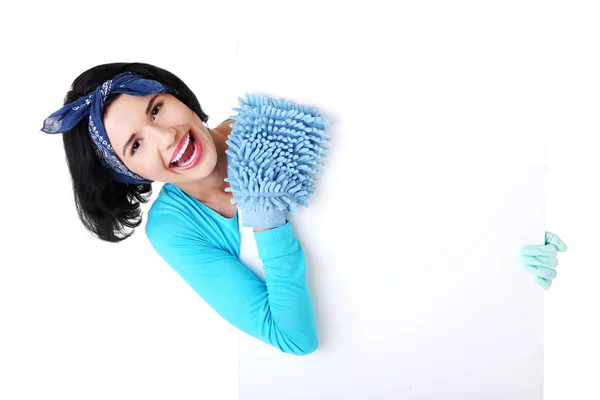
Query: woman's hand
261	229
541	262
274	149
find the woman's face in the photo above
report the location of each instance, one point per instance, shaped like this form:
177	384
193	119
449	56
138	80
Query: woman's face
160	138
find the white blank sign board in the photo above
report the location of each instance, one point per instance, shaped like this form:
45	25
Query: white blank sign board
434	181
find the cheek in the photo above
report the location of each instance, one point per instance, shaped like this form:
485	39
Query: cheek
181	115
144	161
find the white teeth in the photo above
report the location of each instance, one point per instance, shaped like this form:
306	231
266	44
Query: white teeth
183	149
192	158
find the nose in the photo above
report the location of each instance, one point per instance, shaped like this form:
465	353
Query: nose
163	136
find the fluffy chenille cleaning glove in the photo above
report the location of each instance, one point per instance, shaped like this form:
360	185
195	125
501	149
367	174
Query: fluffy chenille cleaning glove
274	149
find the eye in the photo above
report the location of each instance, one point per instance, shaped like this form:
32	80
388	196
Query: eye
156	110
136	145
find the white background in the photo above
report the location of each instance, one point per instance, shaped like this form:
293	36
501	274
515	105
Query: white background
83	319
435	178
572	351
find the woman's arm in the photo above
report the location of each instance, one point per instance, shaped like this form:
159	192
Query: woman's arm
279	312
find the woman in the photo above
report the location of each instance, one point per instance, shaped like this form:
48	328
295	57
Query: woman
150	127
127	125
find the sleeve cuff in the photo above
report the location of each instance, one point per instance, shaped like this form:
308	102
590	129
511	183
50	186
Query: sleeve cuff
272	235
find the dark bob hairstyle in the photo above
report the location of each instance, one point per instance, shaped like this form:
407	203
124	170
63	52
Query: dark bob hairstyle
111	210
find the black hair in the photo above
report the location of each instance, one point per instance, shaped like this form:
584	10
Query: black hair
111	210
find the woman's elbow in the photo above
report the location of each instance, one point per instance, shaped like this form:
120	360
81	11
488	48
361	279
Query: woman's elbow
303	349
314	345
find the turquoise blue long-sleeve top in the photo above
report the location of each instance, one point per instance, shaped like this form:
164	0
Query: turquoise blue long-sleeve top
203	247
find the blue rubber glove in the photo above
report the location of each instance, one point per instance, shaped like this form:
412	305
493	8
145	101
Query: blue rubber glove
540	260
273	148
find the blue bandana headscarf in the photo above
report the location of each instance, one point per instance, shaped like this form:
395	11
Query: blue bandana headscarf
93	105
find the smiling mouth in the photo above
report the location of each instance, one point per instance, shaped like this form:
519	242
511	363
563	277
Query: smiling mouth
189	154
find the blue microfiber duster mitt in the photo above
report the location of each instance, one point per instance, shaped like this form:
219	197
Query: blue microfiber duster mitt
274	147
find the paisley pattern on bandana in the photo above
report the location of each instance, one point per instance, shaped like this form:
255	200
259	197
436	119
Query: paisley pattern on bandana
92	106
106	154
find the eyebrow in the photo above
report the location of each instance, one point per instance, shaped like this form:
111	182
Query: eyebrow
148	108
